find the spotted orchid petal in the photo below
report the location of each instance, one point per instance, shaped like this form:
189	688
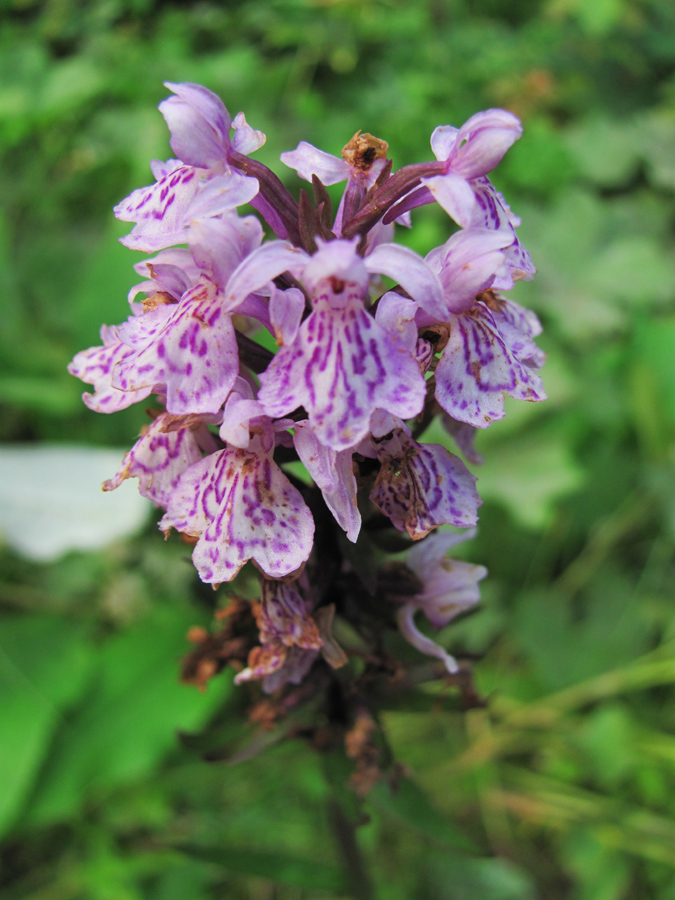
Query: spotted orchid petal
188	347
422	486
396	314
158	459
478	367
242	507
159	210
518	326
341	368
284	617
333	474
240	409
493	212
96	366
219	245
482	142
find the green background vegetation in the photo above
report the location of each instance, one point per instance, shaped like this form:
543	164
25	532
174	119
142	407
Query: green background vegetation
563	787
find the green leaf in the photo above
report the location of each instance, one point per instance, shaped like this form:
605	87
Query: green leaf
44	663
409	804
276	865
130	720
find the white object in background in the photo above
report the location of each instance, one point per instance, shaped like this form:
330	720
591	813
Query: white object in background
51	500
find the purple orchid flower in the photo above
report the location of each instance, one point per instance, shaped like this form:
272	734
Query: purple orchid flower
252	443
450	587
241	506
340	365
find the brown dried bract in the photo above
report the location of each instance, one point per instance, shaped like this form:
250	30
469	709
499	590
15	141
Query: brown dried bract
214	651
161	298
360	746
362	151
492	300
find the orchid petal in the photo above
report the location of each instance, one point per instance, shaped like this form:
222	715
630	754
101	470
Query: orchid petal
246	139
455	196
261	267
96	365
482	141
333	474
159	210
340	368
443	141
199	124
286	309
242	506
284	617
477	368
422	486
412	273
158	459
406	624
191	349
308	160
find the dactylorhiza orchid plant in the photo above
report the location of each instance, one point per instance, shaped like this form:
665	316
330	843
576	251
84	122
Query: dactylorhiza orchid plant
359	374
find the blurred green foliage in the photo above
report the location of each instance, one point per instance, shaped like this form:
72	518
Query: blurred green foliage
563	786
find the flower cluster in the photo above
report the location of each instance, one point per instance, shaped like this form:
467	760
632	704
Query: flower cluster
358	374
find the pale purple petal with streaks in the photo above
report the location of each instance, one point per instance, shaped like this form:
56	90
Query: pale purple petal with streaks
220	194
450	586
160	168
422	486
333	474
95	366
242	507
443	140
159	210
396	314
477	368
158	459
517	326
193	351
284	617
467	264
341	368
239	411
493	212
